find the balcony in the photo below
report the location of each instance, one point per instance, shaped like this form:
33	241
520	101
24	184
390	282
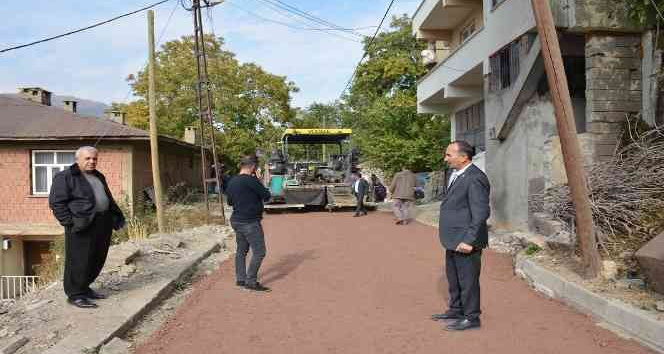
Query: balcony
457	78
436	19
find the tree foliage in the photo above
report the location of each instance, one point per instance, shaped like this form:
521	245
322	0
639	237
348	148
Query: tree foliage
250	105
381	106
643	12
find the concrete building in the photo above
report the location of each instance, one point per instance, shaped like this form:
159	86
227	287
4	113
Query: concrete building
37	141
488	75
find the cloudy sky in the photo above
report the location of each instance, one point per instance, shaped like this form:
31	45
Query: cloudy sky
94	64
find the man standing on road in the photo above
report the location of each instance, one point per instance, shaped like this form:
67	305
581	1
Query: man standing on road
83	204
463	233
246	194
360	189
403	194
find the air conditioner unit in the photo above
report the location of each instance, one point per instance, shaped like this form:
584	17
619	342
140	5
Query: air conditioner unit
428	57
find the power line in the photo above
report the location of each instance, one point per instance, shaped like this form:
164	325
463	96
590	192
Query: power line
315	18
299	15
290	25
84	28
366	51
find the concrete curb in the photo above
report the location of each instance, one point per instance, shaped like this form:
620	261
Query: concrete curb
635	323
126	313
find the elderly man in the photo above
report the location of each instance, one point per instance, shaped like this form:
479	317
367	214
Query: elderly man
83	204
463	233
403	193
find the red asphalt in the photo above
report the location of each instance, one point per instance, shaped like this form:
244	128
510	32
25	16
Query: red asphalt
364	285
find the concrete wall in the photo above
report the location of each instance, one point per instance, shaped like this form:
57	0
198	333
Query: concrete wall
521	164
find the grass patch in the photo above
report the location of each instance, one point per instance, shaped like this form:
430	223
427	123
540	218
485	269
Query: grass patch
532	249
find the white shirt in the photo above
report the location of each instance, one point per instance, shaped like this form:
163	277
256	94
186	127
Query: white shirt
456	174
357	186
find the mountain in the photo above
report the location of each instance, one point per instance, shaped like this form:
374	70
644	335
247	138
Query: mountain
83	107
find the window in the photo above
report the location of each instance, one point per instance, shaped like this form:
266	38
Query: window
469	126
45	164
467	31
505	64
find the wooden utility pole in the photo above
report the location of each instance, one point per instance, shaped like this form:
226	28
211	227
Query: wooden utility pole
574	166
154	142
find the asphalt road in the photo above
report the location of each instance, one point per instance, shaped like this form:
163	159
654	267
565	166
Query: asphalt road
364	285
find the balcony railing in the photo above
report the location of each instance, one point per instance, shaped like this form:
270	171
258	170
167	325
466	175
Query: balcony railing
15	287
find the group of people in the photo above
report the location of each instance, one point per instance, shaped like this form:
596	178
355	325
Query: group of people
83	204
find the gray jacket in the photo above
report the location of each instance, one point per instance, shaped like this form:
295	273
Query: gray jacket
465	210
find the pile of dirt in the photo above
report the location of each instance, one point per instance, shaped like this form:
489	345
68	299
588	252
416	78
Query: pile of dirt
44	317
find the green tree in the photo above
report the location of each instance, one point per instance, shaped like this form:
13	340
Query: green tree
251	106
381	105
644	13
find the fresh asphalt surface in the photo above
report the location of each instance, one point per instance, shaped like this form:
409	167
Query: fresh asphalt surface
364	285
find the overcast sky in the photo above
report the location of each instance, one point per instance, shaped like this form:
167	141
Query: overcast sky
94	64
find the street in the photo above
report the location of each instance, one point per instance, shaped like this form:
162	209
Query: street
364	285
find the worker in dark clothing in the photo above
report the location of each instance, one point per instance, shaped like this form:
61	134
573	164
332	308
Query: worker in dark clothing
246	194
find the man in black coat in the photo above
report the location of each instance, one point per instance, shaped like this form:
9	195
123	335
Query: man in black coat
83	204
360	189
463	233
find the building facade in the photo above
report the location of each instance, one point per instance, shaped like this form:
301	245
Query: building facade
488	76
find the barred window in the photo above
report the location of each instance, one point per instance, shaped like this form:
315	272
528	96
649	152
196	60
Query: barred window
45	164
505	64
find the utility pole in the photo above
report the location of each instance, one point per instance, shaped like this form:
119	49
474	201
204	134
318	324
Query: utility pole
154	139
205	102
573	159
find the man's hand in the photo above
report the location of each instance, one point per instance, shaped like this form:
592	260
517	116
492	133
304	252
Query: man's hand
464	248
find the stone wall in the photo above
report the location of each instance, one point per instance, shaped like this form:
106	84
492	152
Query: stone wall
613	87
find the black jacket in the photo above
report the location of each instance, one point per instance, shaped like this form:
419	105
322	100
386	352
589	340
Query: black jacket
73	201
362	189
465	210
246	195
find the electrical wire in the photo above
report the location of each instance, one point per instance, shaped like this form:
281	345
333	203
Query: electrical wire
366	51
290	25
161	35
316	19
299	18
83	29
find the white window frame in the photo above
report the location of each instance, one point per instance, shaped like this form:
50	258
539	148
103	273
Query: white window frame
467	31
49	170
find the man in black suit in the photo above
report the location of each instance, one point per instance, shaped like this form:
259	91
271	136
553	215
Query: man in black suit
360	189
463	233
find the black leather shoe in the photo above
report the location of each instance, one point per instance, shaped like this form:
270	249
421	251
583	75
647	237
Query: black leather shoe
239	283
95	295
82	303
446	316
463	325
258	287
356	215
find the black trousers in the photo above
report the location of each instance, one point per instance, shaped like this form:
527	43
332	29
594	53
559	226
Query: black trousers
463	278
85	254
360	209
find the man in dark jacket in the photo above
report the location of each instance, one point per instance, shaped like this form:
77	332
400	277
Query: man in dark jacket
83	204
360	189
463	233
246	194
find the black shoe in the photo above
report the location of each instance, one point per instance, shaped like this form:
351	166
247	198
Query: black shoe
399	222
239	283
356	215
91	294
258	287
82	303
462	325
446	316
